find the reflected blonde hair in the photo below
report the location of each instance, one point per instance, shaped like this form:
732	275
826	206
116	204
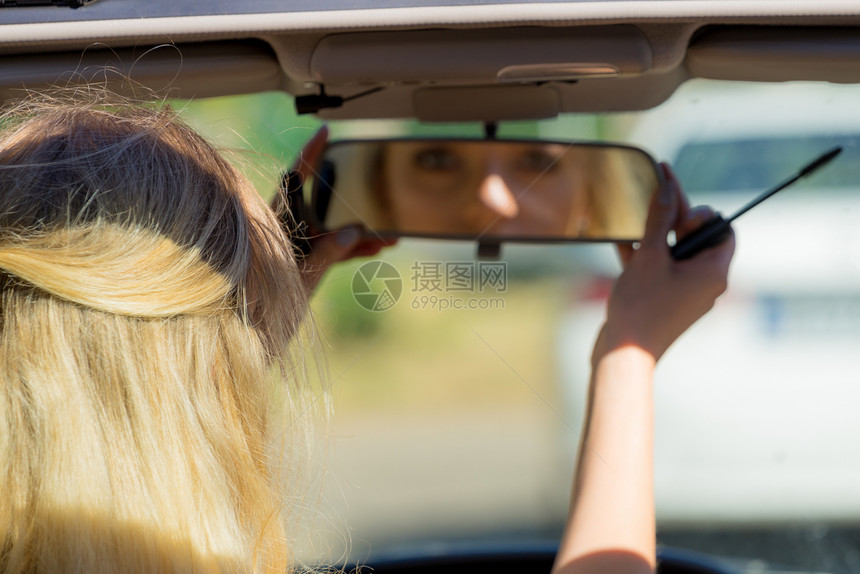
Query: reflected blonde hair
148	298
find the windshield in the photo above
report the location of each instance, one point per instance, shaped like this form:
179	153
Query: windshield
757	163
458	384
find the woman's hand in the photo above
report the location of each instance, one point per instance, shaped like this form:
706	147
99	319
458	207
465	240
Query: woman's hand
339	245
656	298
610	526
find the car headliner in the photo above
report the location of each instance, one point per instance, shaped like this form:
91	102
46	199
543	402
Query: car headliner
443	60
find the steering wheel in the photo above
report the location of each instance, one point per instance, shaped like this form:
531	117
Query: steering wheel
676	561
520	559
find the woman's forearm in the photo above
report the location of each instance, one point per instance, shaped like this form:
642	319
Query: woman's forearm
611	520
610	528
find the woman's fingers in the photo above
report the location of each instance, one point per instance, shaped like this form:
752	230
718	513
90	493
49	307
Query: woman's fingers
672	182
696	218
343	244
625	252
304	164
655	299
339	245
667	209
327	249
311	153
662	214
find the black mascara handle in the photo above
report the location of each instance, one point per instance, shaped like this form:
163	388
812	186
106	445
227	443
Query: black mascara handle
711	233
716	229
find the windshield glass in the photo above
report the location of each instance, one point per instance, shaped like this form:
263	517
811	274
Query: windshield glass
458	384
756	163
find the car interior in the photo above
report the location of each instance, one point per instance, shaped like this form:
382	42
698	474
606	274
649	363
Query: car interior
487	65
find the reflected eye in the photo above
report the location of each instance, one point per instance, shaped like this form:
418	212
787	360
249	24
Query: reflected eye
538	161
436	159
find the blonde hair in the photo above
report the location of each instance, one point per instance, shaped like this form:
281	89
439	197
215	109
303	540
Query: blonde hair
148	298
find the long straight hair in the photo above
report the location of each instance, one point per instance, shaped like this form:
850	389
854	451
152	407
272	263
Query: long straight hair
148	300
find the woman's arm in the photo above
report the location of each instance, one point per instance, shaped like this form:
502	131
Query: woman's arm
340	245
611	522
610	527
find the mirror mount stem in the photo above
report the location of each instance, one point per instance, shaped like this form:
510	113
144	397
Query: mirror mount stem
490	250
490	130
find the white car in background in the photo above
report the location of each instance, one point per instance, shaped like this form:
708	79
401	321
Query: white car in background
757	404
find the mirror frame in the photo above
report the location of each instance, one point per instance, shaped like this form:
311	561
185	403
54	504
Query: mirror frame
320	195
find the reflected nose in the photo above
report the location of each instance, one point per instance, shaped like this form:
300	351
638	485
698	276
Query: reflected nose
498	197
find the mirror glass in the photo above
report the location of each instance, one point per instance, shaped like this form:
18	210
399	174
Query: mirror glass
486	189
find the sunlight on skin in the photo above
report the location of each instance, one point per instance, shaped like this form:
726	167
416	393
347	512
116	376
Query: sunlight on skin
612	506
496	195
518	189
611	523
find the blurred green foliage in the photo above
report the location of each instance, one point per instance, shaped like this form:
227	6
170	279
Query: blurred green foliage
336	308
262	132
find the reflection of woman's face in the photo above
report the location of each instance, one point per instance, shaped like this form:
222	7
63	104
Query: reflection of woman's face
504	188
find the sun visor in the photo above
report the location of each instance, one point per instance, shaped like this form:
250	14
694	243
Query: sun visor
480	57
486	103
190	70
762	54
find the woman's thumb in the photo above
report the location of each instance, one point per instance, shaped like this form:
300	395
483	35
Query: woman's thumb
662	213
328	249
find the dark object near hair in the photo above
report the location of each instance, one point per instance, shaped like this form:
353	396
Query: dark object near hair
292	215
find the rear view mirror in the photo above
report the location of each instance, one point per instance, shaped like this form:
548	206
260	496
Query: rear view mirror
486	190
